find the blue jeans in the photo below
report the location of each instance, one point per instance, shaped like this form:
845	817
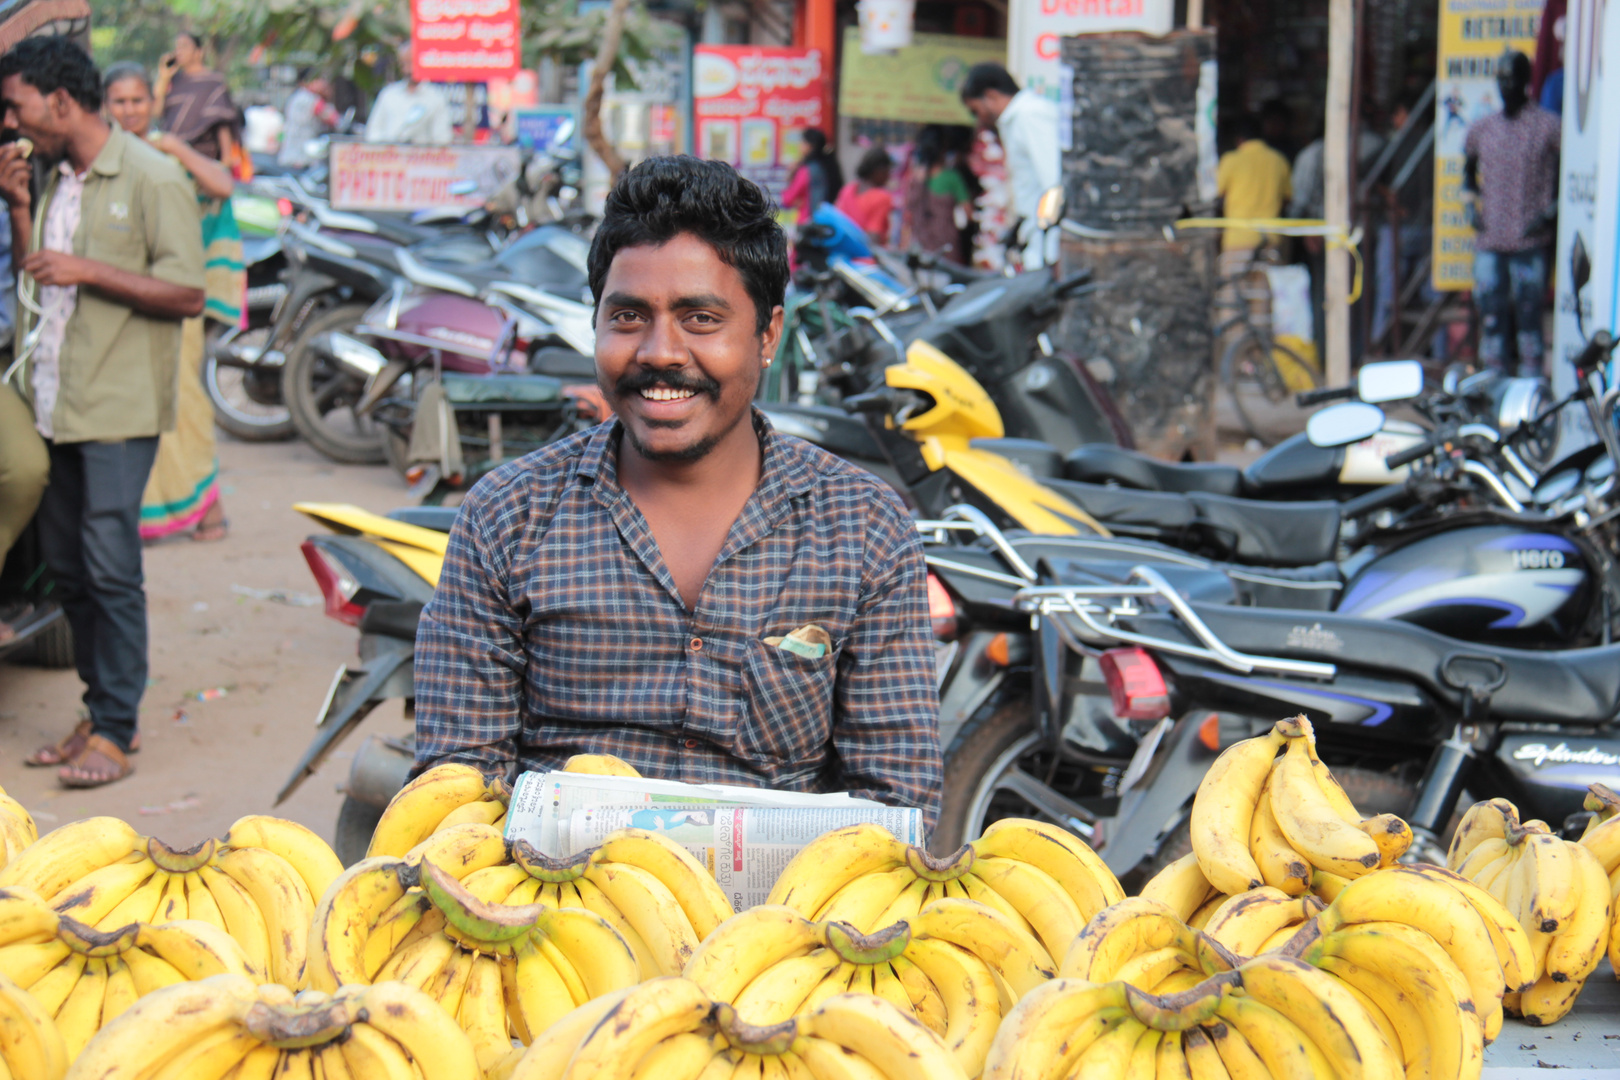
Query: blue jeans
1509	287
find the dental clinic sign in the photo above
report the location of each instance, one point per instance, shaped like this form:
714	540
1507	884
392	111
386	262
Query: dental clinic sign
464	40
1035	29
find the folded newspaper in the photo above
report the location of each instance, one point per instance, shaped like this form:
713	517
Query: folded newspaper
745	836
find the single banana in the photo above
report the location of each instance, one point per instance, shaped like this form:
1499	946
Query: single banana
1579	946
1148	969
197	950
460	850
1487	851
139	906
64	855
864	900
1281	867
482	1012
30	1044
303	849
681	1057
1278	1041
1552	888
896	1043
281	895
550	1051
344	919
1330	1016
428	1034
1042	901
1013	953
1065	857
1119	933
651	909
748	944
163	1024
245	921
691	883
590	944
1246	922
371	1055
972	1007
1110	1057
1484	820
172	907
646	1016
594	899
1309	820
926	1003
1223	811
599	765
93	897
121	989
80	1015
416	810
1391	834
25	918
487	812
150	972
1051	1027
1203	1060
1507	936
825	1060
1236	1053
831	861
778	992
1548	1001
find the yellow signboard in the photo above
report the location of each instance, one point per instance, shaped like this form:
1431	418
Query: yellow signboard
1473	34
918	83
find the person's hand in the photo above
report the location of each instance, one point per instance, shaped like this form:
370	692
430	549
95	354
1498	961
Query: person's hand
169	62
58	268
15	174
167	143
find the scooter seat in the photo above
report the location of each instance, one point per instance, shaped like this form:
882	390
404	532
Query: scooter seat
1100	463
437	518
1242	530
497	390
1573	686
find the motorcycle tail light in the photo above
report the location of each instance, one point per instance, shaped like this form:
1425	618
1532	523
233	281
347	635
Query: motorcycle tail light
941	609
338	586
284	207
1135	684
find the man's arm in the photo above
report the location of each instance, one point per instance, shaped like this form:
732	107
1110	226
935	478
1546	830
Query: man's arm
885	707
147	295
470	659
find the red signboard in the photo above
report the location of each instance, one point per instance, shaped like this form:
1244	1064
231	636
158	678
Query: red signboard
751	105
464	40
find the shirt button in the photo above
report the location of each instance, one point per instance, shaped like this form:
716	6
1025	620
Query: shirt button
696	644
691	744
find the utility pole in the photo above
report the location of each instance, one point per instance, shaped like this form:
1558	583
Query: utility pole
1336	151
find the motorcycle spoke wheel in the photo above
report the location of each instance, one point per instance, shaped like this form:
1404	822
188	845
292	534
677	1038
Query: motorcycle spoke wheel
321	398
247	403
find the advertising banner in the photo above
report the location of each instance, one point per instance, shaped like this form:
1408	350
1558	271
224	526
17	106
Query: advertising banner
537	128
1473	35
1034	27
386	176
464	40
918	83
751	104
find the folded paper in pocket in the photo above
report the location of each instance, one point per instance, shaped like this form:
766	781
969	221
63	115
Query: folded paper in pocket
808	640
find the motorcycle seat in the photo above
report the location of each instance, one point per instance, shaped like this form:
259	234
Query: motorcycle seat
1100	463
1242	530
1573	686
437	518
485	390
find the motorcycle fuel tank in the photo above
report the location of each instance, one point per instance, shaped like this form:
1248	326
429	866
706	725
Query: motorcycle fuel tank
468	328
1552	769
1495	581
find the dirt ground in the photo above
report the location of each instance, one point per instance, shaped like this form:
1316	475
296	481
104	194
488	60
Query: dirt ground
205	762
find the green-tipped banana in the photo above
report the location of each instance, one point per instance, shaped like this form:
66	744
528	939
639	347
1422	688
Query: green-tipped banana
874	948
488	928
180	862
545	868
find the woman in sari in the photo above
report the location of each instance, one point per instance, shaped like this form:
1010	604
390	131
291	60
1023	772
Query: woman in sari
183	492
195	103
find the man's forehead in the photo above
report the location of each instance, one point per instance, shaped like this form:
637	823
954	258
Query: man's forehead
694	258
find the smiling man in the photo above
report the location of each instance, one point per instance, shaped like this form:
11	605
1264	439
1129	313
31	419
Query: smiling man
683	586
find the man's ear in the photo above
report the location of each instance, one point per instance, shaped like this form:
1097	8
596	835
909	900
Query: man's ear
772	337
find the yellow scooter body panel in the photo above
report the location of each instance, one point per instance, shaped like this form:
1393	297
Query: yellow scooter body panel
962	409
425	563
345	518
1027	501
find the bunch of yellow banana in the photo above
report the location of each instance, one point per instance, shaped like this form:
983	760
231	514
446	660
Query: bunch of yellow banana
229	1026
957	966
1557	890
258	883
1261	920
1041	877
17	828
84	978
1474	929
31	1048
1411	987
1274	1016
670	1029
1260	819
1603	839
1142	942
455	794
496	968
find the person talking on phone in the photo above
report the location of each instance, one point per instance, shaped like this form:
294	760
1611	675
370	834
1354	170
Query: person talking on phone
194	102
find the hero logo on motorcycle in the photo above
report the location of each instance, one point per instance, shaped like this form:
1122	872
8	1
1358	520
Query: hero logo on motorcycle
1535	559
1540	754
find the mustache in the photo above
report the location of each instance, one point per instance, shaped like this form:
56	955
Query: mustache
637	381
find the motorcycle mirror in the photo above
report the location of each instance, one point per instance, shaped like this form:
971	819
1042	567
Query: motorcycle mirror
565	131
1580	272
1389	380
1345	423
1049	211
470	187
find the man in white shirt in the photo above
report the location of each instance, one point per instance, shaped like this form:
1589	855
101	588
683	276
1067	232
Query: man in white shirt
1027	125
408	111
310	114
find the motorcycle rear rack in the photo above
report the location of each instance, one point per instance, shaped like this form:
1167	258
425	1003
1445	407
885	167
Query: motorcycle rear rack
1081	612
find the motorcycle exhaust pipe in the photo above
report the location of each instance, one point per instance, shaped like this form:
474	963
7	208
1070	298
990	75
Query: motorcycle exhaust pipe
379	384
379	771
351	354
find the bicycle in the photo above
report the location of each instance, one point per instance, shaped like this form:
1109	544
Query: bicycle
1255	365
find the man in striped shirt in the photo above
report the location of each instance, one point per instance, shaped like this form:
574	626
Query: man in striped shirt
682	586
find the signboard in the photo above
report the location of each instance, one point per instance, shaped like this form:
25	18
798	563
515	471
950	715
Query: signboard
464	40
1472	37
537	128
1034	27
918	83
751	104
388	176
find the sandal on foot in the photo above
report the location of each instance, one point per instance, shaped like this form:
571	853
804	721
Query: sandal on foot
100	762
71	747
212	527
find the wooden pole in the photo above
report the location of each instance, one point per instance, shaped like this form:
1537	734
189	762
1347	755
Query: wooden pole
1195	14
1336	155
612	31
469	115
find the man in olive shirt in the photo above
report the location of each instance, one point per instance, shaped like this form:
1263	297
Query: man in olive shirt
114	263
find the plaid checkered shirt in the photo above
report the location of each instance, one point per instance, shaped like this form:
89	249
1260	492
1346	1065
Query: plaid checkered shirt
556	629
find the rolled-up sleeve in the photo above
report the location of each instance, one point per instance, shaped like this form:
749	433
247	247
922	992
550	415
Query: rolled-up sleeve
176	254
886	709
470	658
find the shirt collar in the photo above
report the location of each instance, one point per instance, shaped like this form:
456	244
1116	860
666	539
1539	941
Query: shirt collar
784	472
111	159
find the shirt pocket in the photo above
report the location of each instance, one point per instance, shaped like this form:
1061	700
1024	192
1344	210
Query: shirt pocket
787	705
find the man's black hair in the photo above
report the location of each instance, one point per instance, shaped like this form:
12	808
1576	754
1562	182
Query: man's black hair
1245	126
874	163
662	197
55	63
982	78
193	38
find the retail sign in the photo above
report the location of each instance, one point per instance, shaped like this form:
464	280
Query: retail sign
751	104
1473	35
537	128
390	176
919	83
465	40
1035	28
